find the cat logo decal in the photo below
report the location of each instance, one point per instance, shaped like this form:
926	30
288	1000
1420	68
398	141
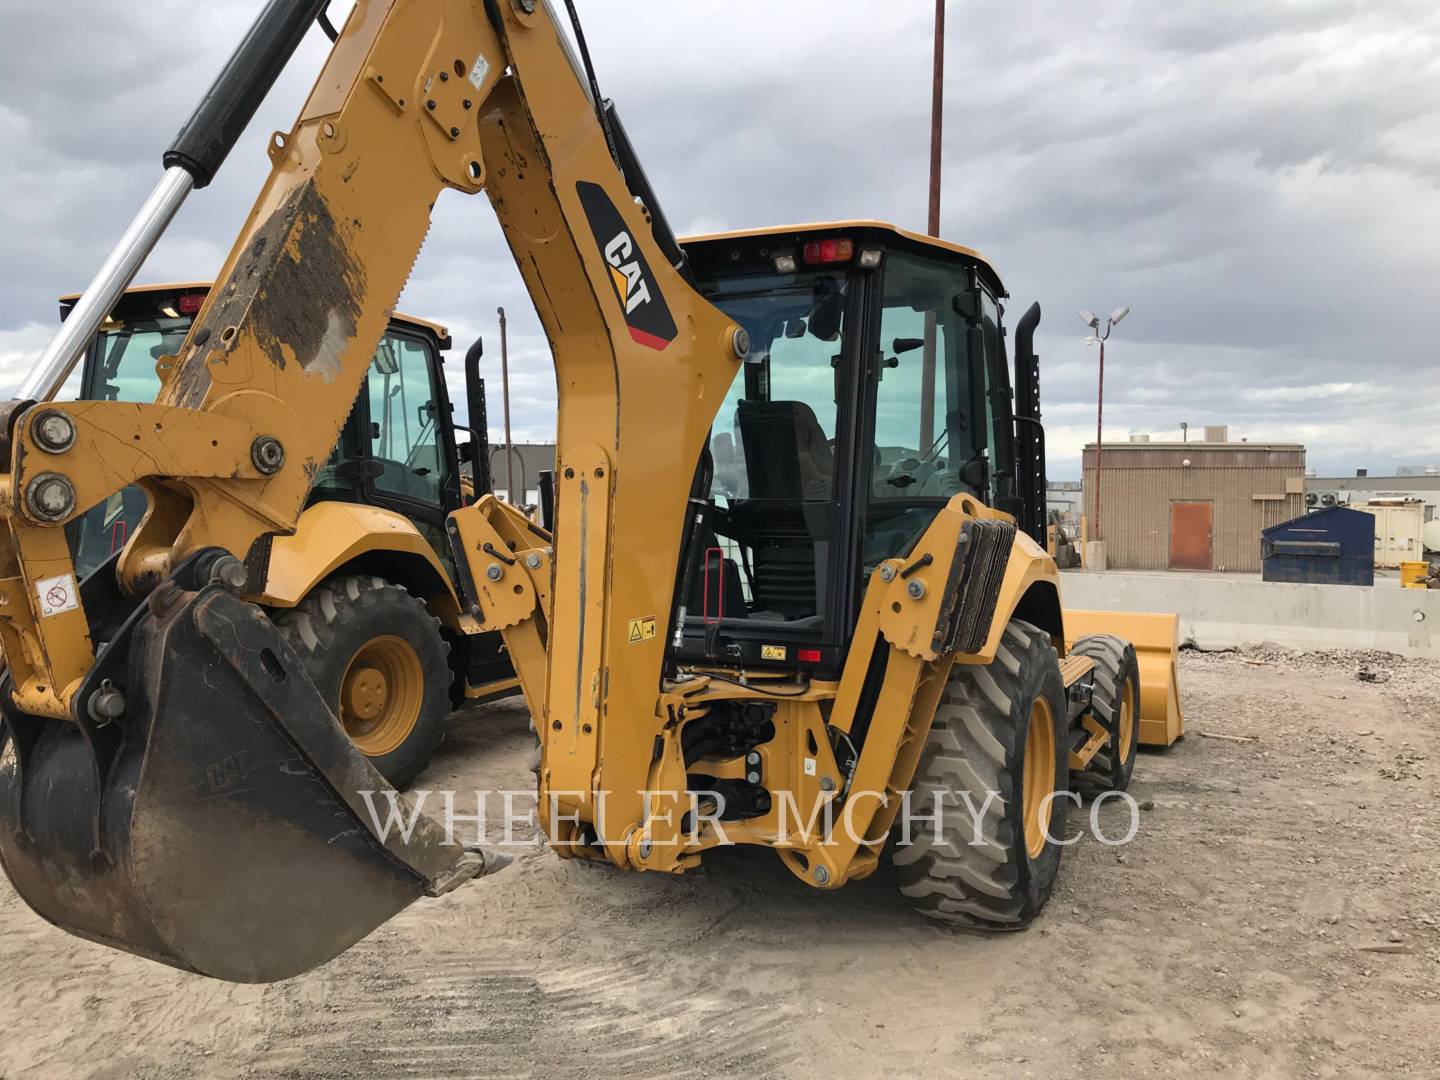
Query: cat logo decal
646	314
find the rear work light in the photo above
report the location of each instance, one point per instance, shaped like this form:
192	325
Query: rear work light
829	251
807	656
190	303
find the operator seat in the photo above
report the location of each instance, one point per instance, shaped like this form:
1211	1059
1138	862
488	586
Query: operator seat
787	453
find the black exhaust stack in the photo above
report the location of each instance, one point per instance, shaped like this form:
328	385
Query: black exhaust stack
1029	432
479	420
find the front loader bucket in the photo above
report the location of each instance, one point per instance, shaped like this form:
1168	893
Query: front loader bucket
1157	648
216	825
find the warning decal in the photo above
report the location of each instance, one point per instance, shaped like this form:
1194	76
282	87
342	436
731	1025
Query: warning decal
57	595
642	630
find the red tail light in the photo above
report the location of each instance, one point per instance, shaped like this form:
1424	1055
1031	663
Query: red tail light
807	656
190	303
829	251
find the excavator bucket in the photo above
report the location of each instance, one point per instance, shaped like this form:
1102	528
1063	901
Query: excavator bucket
1157	648
217	824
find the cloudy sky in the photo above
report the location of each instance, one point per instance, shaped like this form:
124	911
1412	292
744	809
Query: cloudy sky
1258	181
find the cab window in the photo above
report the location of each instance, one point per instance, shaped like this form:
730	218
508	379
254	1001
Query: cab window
121	367
774	435
124	359
771	514
403	412
923	430
930	444
1000	448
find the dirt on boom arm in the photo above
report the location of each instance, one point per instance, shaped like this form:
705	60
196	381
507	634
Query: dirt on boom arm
312	289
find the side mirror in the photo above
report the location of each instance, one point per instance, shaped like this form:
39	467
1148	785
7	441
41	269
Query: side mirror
826	318
465	451
386	362
906	344
967	304
975	474
359	470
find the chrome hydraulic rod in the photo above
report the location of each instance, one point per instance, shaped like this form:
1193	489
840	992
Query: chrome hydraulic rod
191	162
110	283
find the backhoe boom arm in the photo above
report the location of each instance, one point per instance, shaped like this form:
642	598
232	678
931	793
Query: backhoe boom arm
151	752
415	98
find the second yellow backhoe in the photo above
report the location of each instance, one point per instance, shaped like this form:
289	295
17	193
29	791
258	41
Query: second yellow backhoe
796	594
368	560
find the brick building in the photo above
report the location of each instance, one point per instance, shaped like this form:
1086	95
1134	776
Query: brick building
1194	505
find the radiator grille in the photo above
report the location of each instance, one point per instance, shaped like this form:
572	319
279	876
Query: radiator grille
981	555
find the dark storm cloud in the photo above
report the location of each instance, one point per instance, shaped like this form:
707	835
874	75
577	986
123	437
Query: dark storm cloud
1257	181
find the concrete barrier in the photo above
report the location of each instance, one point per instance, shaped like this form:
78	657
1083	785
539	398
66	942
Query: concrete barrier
1222	611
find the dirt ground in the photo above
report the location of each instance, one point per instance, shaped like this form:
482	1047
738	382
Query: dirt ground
1235	935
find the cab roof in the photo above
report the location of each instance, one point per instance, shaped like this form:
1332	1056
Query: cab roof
435	328
859	226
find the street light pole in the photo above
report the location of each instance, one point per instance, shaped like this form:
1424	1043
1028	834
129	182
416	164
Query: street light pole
937	108
1099	430
1101	335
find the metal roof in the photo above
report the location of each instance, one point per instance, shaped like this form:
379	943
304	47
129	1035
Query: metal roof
1376	483
834	226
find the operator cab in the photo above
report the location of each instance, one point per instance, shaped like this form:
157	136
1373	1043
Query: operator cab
876	388
397	449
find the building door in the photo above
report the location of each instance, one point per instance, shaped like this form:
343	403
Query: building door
1191	536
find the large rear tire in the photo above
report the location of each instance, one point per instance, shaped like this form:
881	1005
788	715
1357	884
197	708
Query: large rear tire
1115	704
999	728
378	657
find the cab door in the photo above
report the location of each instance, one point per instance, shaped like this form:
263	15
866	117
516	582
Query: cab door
409	439
940	419
926	404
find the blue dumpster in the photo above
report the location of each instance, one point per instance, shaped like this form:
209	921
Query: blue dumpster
1335	546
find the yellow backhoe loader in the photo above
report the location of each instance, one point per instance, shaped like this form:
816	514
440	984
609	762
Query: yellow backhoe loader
796	579
368	557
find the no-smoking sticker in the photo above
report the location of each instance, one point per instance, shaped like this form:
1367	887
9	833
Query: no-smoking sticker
57	594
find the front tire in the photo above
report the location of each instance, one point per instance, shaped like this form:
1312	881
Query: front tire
376	655
999	728
1115	704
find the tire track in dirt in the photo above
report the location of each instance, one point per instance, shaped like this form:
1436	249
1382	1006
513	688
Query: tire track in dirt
446	1013
1229	938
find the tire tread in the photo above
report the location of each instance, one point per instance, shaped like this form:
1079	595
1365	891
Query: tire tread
956	877
312	629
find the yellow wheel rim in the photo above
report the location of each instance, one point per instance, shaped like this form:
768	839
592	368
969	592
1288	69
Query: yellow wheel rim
1038	779
381	694
1127	722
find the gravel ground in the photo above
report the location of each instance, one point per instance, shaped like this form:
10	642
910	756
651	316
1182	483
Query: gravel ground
1275	915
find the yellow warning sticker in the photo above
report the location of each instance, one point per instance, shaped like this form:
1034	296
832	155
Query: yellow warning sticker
642	630
772	652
